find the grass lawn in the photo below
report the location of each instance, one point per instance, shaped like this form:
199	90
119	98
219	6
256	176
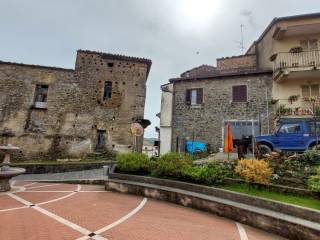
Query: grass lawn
309	202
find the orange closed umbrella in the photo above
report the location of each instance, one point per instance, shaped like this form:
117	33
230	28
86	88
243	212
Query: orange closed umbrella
228	144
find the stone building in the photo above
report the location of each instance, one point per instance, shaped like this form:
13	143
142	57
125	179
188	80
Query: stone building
203	103
277	77
51	112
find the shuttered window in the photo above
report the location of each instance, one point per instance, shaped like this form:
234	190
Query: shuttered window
239	93
310	91
305	90
309	44
194	96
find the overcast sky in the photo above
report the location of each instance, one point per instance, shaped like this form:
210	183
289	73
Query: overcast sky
175	34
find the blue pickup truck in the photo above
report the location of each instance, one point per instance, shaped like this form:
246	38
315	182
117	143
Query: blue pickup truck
291	135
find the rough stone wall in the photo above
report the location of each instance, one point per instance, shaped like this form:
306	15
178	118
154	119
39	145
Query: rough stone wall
237	62
205	122
75	106
128	94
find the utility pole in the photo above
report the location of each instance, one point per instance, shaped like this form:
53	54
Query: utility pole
268	121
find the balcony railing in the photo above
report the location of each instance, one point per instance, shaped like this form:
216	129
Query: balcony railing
296	60
301	107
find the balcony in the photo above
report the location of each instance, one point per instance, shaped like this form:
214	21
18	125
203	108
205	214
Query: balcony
302	107
300	64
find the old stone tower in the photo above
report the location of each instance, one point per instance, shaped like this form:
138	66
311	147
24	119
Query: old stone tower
54	112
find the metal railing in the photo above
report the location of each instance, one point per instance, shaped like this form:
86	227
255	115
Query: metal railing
285	60
301	107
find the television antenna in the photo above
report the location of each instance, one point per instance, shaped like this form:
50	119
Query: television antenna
242	42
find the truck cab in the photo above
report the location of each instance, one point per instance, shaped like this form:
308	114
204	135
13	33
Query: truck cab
291	135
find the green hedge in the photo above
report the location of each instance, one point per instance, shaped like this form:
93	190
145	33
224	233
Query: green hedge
177	166
312	157
208	174
314	181
133	162
171	165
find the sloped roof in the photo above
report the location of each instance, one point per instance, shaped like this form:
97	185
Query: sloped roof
222	75
36	66
199	71
276	20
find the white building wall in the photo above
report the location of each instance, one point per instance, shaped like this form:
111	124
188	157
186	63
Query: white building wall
165	139
166	118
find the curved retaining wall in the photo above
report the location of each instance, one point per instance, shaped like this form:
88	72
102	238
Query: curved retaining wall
34	168
292	222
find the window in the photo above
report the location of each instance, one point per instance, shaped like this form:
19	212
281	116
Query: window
194	96
239	93
41	93
314	127
290	128
107	94
308	91
309	44
100	139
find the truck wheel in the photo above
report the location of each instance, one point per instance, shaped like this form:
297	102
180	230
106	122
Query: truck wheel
264	149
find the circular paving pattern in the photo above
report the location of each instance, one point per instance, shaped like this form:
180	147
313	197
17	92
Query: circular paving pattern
67	211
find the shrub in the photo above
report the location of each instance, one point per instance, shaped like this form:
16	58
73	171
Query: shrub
311	157
254	171
209	174
133	162
314	181
171	165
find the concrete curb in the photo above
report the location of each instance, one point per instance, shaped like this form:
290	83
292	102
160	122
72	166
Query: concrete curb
239	207
82	181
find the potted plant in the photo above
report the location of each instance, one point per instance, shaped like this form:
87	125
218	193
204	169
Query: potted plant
293	98
274	101
296	50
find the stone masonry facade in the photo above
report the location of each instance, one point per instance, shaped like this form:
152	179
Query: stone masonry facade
231	64
76	115
205	122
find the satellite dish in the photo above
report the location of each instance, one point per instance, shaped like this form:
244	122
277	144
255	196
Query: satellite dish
136	129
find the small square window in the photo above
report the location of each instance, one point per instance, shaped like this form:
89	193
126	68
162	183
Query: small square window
194	96
239	93
41	93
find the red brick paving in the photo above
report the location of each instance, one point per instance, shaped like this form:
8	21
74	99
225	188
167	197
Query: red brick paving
7	202
28	224
92	188
94	210
161	220
53	187
39	197
253	233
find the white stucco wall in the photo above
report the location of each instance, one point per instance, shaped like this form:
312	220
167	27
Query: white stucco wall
165	139
166	118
